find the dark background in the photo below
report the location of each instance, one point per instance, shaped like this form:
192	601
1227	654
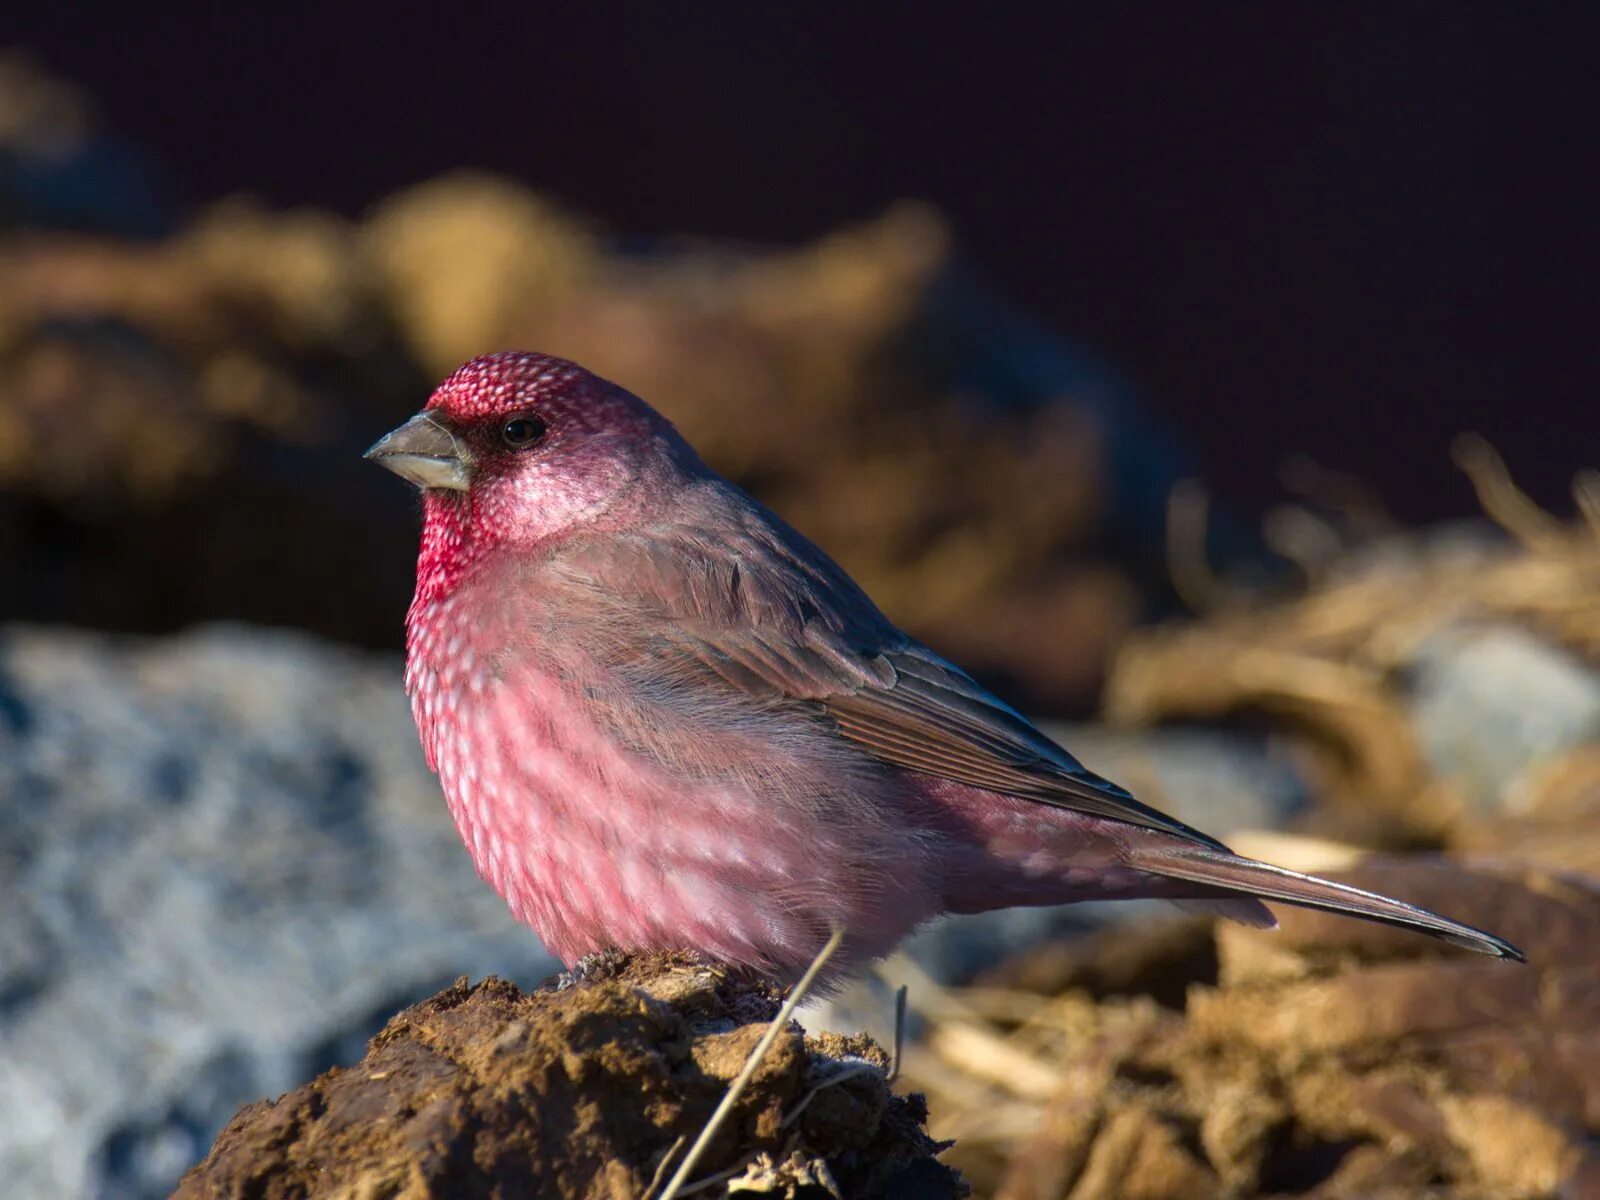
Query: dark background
1349	230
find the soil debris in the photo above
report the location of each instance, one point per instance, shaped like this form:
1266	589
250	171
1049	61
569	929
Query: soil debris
583	1090
1329	1058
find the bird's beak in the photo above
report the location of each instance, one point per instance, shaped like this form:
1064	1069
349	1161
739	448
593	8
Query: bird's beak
424	451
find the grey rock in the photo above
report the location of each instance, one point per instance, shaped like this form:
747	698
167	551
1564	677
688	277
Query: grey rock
222	865
1492	702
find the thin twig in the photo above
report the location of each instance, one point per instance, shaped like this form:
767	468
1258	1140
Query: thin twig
1188	513
700	1185
1338	493
848	1071
661	1167
1304	539
751	1064
1507	504
1586	491
899	1031
851	1070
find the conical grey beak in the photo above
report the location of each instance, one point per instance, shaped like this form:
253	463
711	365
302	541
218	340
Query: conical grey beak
424	451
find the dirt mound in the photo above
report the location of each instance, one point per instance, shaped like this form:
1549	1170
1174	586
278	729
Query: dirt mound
584	1090
1331	1058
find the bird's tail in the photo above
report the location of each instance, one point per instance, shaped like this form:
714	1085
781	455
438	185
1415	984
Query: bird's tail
1228	874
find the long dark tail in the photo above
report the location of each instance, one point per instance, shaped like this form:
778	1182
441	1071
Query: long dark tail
1229	873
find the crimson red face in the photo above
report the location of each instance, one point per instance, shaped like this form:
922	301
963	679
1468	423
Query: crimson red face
516	448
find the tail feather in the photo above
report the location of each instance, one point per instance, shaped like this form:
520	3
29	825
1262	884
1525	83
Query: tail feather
1244	876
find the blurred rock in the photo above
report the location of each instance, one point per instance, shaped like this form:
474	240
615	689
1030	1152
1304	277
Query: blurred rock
60	170
222	865
1491	703
460	259
162	463
582	1092
199	402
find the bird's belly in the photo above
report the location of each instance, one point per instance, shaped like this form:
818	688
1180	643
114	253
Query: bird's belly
596	847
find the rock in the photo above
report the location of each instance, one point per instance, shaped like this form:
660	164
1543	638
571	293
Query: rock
222	865
59	170
583	1091
1491	703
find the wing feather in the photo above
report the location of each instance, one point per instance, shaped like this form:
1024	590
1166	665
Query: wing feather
958	731
771	617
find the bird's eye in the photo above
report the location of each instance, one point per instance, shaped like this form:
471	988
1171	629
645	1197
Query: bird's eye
522	432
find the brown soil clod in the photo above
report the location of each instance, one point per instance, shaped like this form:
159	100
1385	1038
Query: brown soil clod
1327	1058
582	1090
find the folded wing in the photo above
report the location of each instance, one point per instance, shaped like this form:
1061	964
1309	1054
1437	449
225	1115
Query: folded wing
771	617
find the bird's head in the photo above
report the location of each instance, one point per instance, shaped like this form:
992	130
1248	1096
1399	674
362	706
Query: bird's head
516	448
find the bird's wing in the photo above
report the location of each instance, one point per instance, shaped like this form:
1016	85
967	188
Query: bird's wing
770	616
936	719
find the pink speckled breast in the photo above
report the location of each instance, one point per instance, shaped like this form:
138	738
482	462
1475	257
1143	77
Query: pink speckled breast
596	845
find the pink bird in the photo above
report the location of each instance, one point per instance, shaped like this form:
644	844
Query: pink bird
663	719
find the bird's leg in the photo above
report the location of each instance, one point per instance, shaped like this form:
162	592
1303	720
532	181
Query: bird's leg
899	1031
752	1064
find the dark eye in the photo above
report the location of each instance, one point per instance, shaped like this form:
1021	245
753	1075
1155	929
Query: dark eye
522	432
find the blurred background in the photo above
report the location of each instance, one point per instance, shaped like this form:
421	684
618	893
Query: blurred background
1123	354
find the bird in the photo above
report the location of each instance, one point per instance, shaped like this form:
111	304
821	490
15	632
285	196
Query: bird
664	720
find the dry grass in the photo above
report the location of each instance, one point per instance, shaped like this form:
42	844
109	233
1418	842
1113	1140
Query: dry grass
1324	1056
1326	668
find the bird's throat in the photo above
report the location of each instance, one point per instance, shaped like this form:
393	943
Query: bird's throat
452	546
